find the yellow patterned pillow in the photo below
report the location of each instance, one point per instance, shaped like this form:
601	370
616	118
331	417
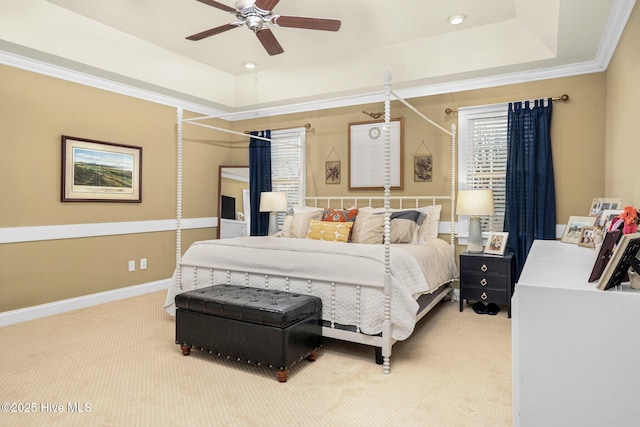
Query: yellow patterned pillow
330	231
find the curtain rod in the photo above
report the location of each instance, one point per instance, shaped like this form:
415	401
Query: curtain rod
563	97
307	126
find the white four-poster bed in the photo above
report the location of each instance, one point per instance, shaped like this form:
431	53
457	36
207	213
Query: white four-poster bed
376	304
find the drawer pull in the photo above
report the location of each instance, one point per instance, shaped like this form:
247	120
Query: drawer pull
483	296
483	282
484	267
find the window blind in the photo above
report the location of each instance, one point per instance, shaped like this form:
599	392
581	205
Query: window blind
483	156
288	165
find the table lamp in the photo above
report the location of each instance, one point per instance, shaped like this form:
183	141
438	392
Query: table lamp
475	203
273	202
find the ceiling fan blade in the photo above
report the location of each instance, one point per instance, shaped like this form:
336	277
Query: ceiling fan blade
266	4
269	42
212	32
323	24
218	5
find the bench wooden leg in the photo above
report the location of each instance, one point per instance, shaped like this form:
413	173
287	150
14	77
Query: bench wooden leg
186	350
282	375
312	356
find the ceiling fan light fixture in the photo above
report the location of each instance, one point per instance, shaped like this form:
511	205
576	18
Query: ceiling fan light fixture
456	19
249	65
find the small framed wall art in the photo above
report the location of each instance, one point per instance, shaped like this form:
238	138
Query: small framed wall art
423	168
97	171
332	172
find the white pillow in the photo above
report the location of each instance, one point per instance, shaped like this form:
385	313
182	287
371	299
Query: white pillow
429	227
299	224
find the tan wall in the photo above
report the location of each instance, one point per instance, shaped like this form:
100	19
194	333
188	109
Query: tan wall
577	138
35	110
623	112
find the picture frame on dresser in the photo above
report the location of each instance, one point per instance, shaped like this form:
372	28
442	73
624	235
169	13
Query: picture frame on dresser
496	243
573	229
624	255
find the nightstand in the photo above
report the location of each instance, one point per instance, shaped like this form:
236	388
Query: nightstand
486	278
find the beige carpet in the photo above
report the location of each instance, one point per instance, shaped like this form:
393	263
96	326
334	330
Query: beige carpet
118	362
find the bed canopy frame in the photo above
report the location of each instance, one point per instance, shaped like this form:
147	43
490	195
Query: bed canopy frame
383	341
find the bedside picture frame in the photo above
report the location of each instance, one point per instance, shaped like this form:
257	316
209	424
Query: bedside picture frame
423	168
573	229
496	243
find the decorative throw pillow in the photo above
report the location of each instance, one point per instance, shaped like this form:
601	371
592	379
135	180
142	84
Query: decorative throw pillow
429	227
405	226
339	215
300	221
368	228
330	231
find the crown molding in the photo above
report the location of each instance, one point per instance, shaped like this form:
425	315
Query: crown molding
616	23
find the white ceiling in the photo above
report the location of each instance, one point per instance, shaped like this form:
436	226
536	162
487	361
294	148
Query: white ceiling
141	44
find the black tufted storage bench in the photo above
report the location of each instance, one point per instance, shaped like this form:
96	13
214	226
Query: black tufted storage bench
259	326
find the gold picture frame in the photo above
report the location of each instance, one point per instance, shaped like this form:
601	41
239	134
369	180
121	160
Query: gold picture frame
98	171
366	154
332	172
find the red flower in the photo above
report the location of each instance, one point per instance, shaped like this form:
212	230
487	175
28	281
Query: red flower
629	215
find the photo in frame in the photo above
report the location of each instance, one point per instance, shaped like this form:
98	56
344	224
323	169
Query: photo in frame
423	168
367	141
624	255
573	229
97	171
606	216
588	237
332	172
600	204
496	243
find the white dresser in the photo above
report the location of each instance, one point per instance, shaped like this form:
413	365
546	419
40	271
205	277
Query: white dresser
576	349
232	228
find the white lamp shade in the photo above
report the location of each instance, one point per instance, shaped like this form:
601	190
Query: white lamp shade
273	201
475	202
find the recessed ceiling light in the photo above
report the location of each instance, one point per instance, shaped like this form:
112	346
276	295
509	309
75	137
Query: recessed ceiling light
249	65
456	19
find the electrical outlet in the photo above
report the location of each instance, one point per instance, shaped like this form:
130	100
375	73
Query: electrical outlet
143	263
132	266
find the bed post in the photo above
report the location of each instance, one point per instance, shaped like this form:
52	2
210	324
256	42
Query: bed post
386	324
179	203
454	182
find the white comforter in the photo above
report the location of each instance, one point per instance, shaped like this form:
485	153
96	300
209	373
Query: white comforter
415	269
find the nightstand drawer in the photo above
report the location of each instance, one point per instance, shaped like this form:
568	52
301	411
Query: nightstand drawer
475	294
486	281
483	265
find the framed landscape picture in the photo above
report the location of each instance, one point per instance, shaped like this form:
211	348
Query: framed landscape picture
573	230
96	171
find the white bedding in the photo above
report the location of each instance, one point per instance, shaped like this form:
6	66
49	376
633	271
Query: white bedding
415	269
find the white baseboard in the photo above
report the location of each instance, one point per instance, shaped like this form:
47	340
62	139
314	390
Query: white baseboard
57	307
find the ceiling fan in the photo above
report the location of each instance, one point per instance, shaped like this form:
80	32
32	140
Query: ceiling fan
257	15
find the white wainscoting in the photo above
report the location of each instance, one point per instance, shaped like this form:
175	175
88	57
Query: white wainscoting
74	231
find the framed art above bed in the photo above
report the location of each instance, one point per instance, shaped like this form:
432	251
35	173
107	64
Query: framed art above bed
366	155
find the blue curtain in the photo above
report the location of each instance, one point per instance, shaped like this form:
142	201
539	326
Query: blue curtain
259	180
530	212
